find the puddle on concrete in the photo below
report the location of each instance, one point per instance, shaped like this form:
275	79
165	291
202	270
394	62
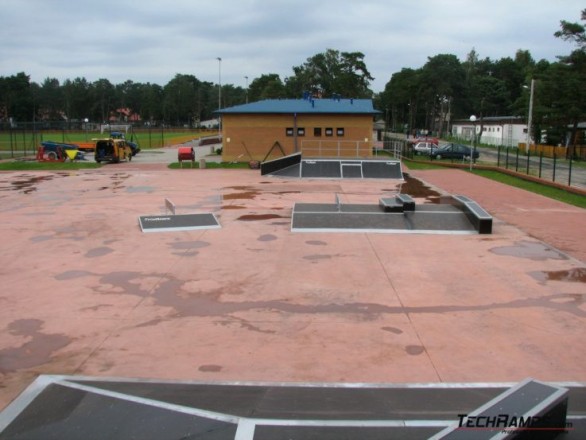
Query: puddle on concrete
254	217
414	350
98	252
576	275
316	243
267	237
417	189
531	250
37	351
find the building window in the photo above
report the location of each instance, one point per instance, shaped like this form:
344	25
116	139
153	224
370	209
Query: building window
300	131
329	131
339	131
317	132
289	131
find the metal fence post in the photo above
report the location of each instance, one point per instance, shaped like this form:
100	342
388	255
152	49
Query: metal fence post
554	164
540	163
570	171
517	161
498	156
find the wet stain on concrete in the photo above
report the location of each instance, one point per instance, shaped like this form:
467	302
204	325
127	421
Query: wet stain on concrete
239	187
267	237
140	189
37	351
575	275
255	217
243	323
172	293
316	243
317	257
72	274
531	250
96	307
27	185
394	330
41	238
210	368
233	207
414	350
98	252
190	245
247	195
150	323
416	188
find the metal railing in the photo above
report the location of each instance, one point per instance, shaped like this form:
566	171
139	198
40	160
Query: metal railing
327	148
570	170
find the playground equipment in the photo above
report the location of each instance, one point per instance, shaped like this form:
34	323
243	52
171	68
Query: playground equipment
51	151
186	153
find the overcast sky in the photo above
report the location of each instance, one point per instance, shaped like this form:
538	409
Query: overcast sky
153	40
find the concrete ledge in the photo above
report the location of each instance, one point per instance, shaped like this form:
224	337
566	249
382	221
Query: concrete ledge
481	219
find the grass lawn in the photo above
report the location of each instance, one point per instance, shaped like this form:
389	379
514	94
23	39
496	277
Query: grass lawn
538	188
28	141
46	166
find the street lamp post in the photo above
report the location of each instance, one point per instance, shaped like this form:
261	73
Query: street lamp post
219	93
246	77
473	120
530	116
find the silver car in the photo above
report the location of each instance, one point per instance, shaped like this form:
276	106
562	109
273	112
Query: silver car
426	148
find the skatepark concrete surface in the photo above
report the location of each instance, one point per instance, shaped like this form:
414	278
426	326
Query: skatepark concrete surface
86	292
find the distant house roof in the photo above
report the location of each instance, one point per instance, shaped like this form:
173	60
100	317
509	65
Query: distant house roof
304	106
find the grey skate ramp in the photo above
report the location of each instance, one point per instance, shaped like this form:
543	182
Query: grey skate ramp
295	167
181	222
70	408
428	218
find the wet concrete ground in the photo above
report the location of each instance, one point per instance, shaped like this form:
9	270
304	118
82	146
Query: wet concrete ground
86	292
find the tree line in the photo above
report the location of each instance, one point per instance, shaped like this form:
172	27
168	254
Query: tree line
184	100
445	89
428	98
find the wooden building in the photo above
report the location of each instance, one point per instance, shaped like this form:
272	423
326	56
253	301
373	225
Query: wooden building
272	128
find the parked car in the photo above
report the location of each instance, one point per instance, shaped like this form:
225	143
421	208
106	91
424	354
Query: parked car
426	148
454	151
133	145
112	150
414	141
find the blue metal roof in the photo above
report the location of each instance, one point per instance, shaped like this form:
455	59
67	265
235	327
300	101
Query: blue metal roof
304	106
